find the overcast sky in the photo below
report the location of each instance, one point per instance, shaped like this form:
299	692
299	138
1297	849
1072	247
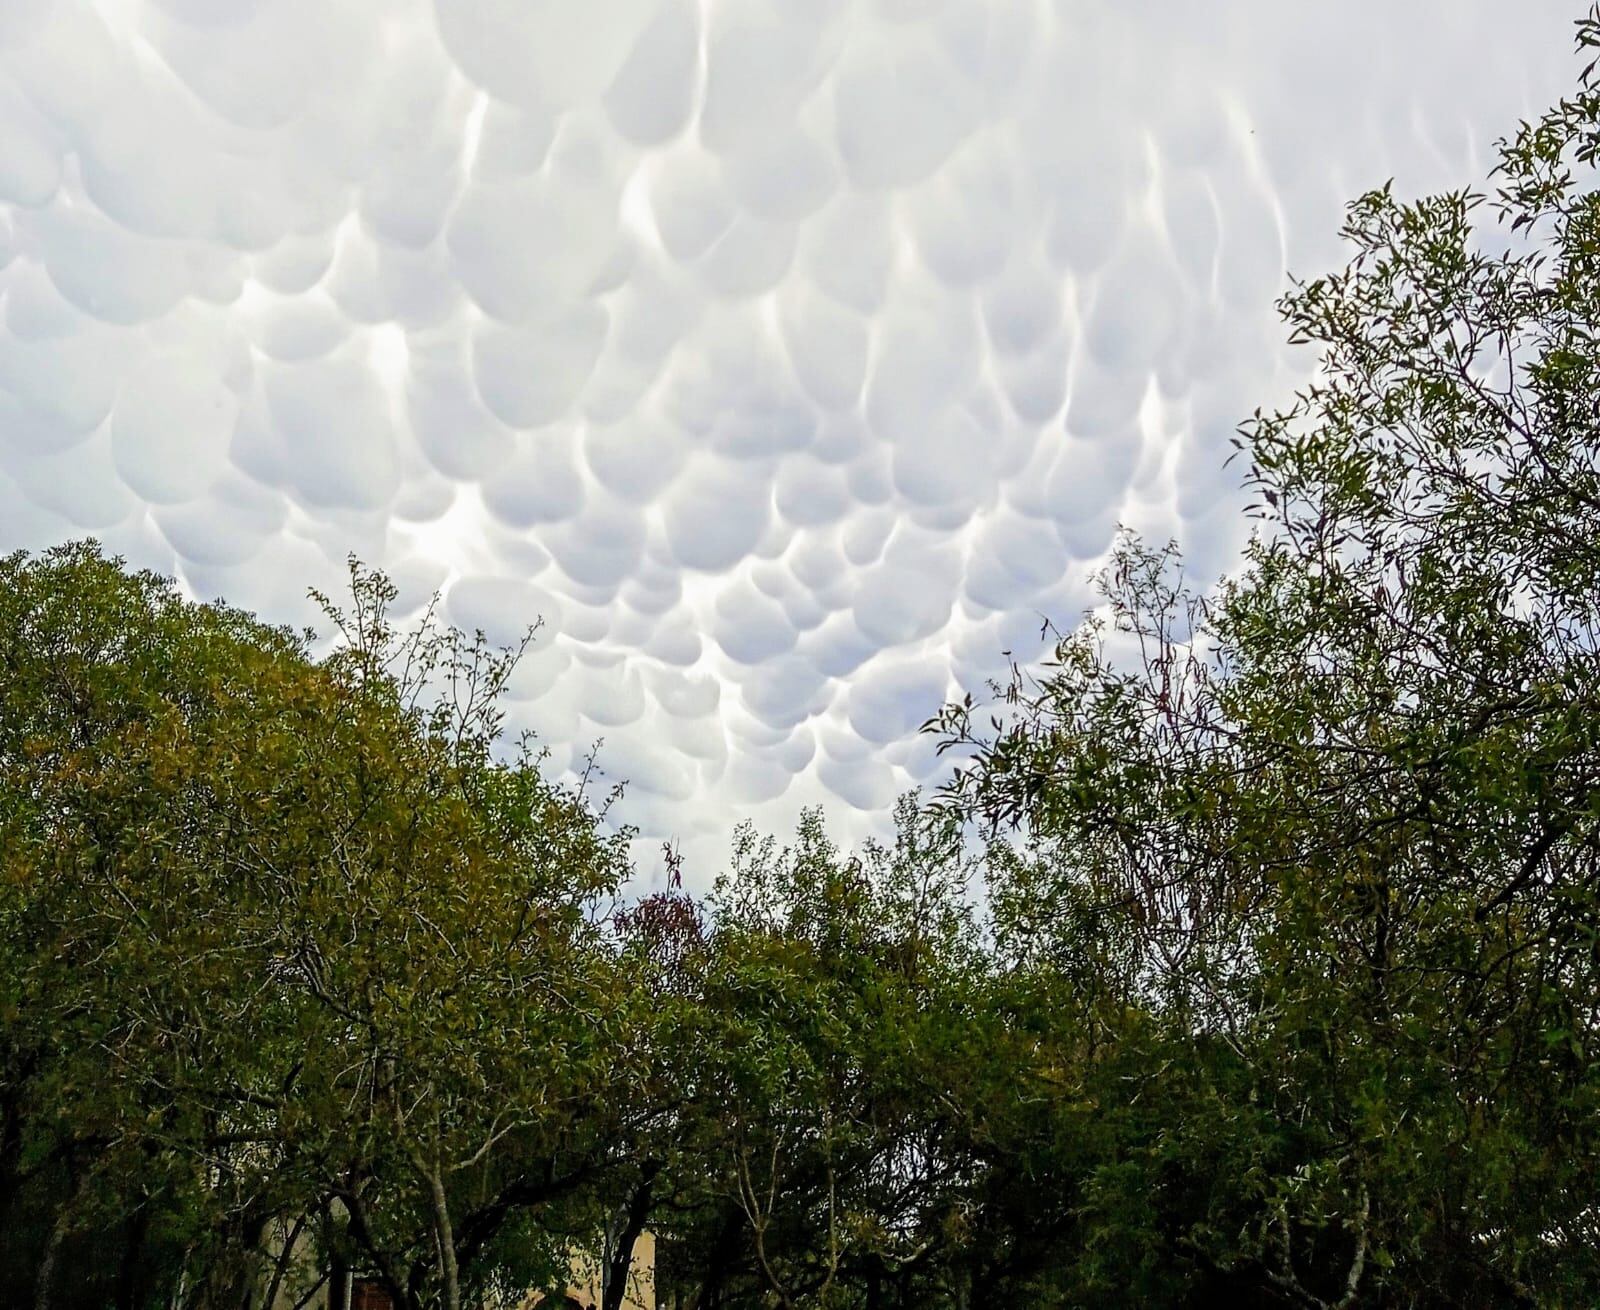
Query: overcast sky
791	358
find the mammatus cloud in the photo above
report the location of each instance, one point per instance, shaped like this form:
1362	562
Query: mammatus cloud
790	359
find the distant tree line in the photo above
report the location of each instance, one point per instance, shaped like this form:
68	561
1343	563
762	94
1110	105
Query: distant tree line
1252	951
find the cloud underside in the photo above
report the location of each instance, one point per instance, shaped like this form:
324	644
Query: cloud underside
790	359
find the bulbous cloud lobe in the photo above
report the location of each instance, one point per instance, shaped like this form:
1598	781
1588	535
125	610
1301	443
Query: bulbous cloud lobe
790	359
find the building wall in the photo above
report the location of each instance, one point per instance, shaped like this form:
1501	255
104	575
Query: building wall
584	1290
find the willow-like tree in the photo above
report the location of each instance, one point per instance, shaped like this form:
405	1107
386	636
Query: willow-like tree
1337	826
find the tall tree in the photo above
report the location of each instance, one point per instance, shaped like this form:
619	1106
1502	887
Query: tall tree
1337	824
293	948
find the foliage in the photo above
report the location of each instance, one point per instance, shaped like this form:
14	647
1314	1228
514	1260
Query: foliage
1338	821
285	933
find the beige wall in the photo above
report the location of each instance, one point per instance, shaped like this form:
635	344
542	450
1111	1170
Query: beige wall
584	1289
585	1285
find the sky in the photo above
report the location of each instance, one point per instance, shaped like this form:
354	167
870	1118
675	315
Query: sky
791	359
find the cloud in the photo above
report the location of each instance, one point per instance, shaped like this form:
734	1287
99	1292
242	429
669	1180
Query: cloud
790	360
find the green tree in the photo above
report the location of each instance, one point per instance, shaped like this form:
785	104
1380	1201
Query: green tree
823	1153
122	1054
1335	826
464	1053
299	965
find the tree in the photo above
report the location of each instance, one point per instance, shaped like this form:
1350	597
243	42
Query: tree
116	699
295	951
1335	825
822	1153
463	1056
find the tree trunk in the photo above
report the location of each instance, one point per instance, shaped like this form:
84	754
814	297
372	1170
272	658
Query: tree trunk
444	1235
285	1259
338	1278
128	1268
723	1253
614	1279
10	1154
45	1279
240	1279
